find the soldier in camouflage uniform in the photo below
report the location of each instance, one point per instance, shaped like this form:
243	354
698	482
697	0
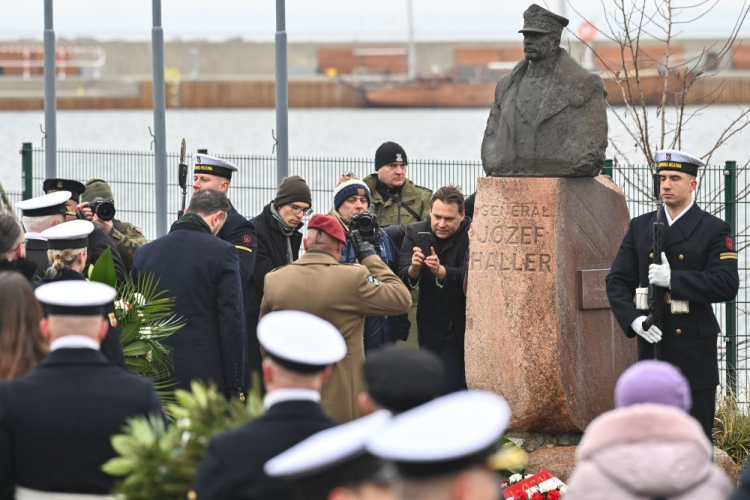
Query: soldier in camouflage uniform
397	200
127	237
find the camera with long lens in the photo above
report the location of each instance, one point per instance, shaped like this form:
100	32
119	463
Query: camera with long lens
367	225
104	209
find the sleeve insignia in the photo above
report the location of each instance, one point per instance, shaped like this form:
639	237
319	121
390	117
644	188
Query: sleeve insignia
729	243
112	320
246	239
728	255
373	280
137	230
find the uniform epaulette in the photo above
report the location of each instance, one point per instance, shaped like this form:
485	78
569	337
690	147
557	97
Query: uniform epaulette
423	188
351	264
280	267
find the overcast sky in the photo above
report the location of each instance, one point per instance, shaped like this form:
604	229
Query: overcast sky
341	20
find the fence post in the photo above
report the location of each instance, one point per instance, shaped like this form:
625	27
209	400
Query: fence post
730	215
608	167
27	169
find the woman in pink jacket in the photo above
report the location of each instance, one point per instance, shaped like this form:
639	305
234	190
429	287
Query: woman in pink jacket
648	448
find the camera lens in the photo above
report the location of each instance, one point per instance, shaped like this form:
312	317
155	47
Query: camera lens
105	211
365	223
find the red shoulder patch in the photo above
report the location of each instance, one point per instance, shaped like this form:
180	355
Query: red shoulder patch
729	243
246	239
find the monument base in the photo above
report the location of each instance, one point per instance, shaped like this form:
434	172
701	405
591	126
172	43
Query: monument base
539	330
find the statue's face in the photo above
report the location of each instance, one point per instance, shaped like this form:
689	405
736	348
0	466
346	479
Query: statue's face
539	46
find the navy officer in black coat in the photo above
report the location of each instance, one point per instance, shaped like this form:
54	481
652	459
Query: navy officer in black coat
202	273
301	348
57	420
210	172
699	267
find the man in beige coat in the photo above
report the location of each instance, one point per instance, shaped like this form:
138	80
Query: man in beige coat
343	294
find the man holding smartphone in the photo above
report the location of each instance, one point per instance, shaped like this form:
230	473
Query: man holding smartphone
431	257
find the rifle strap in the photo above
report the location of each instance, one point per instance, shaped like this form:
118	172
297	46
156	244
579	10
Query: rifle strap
400	205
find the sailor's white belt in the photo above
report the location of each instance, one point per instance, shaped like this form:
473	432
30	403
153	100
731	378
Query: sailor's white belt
641	299
27	494
676	306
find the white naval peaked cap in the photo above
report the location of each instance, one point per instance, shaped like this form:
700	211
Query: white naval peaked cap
213	165
679	161
73	234
47	204
444	436
326	449
301	341
79	298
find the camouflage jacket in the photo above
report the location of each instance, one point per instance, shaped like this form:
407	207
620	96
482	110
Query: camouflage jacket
127	237
394	211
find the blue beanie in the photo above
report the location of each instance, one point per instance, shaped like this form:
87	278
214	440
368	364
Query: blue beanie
352	187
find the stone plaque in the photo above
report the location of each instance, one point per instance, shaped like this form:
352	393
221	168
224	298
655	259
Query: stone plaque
592	289
527	337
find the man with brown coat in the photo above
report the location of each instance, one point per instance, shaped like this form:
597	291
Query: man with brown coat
343	294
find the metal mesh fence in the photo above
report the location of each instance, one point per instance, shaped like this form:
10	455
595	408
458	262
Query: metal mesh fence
131	176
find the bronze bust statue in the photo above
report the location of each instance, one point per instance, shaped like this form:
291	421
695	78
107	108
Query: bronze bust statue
549	118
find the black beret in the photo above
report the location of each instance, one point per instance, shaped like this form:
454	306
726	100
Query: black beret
399	378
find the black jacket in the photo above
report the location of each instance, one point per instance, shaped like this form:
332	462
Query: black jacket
202	272
703	262
233	466
271	254
111	346
36	252
57	420
441	311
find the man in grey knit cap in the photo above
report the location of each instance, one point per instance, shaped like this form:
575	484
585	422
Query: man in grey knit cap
279	240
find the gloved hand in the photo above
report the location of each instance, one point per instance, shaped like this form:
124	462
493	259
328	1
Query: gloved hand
652	335
660	274
362	248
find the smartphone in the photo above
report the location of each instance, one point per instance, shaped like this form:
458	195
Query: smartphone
424	242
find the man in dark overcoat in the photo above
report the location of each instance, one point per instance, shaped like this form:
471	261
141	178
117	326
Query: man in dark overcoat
210	172
301	347
56	421
202	273
279	240
698	268
441	311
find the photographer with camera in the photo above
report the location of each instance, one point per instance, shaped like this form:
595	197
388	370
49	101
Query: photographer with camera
99	241
98	205
351	200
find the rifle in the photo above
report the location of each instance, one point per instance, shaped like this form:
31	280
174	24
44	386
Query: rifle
183	177
656	294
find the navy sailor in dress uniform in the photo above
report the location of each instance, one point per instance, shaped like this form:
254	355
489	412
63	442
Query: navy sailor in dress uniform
335	463
56	421
210	172
447	448
300	350
38	214
699	267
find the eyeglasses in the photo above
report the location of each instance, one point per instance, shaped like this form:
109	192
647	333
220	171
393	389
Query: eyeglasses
299	210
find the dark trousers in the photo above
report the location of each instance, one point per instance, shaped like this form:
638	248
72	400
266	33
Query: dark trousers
451	351
704	409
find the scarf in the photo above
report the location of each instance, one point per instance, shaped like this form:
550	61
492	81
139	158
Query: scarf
286	231
193	222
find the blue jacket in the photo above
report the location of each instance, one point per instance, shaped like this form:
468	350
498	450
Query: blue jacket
380	330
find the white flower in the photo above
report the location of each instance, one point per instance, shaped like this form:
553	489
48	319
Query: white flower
563	488
544	487
515	478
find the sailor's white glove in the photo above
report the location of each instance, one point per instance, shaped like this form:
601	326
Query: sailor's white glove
652	335
660	274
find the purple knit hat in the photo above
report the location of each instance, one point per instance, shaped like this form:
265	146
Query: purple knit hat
653	382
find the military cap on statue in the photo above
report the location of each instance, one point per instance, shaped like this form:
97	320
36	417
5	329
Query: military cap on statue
399	378
300	341
54	185
75	298
73	234
445	436
48	204
678	161
334	457
207	164
537	19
